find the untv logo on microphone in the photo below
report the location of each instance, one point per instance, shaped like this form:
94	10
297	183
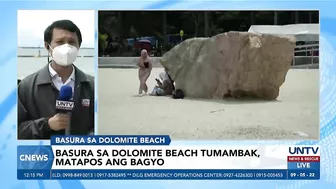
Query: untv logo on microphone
64	105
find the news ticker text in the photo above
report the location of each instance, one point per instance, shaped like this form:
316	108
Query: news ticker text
136	174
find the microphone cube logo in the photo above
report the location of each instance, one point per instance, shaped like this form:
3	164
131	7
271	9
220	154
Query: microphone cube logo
64	105
86	102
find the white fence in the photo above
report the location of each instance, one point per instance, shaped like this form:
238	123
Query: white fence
311	52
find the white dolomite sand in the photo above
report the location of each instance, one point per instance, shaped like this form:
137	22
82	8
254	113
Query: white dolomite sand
294	115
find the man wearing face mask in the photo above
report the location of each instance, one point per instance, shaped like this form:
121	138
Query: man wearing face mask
37	93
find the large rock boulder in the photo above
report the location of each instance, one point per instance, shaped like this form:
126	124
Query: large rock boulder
233	64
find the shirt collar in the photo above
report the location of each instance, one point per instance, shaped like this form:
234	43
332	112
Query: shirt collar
43	76
53	73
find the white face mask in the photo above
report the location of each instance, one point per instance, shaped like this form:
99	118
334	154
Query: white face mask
64	55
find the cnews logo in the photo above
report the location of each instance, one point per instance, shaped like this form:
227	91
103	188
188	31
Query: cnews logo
33	157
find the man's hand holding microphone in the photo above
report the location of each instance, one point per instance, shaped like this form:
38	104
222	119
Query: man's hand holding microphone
59	121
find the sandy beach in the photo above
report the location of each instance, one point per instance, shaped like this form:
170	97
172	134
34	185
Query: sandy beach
294	115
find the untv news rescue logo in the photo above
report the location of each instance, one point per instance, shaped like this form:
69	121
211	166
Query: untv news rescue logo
304	157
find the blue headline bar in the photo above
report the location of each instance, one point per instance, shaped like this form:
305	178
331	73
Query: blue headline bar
35	162
258	174
111	140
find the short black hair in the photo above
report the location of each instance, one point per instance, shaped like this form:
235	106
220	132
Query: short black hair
64	25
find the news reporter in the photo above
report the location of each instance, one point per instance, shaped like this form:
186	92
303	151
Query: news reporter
37	93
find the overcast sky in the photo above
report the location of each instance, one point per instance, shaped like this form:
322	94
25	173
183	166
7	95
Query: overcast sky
32	23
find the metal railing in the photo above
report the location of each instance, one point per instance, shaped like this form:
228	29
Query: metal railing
309	52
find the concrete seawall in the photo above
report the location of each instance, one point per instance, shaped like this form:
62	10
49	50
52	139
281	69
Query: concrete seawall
307	66
45	56
124	62
130	62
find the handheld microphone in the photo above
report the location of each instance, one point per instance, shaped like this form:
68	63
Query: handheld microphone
64	104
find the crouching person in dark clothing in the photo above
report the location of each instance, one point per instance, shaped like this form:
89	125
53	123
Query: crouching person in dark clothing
165	86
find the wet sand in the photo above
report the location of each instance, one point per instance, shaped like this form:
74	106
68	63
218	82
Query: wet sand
294	115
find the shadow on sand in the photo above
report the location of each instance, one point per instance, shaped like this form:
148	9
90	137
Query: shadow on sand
233	101
227	101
